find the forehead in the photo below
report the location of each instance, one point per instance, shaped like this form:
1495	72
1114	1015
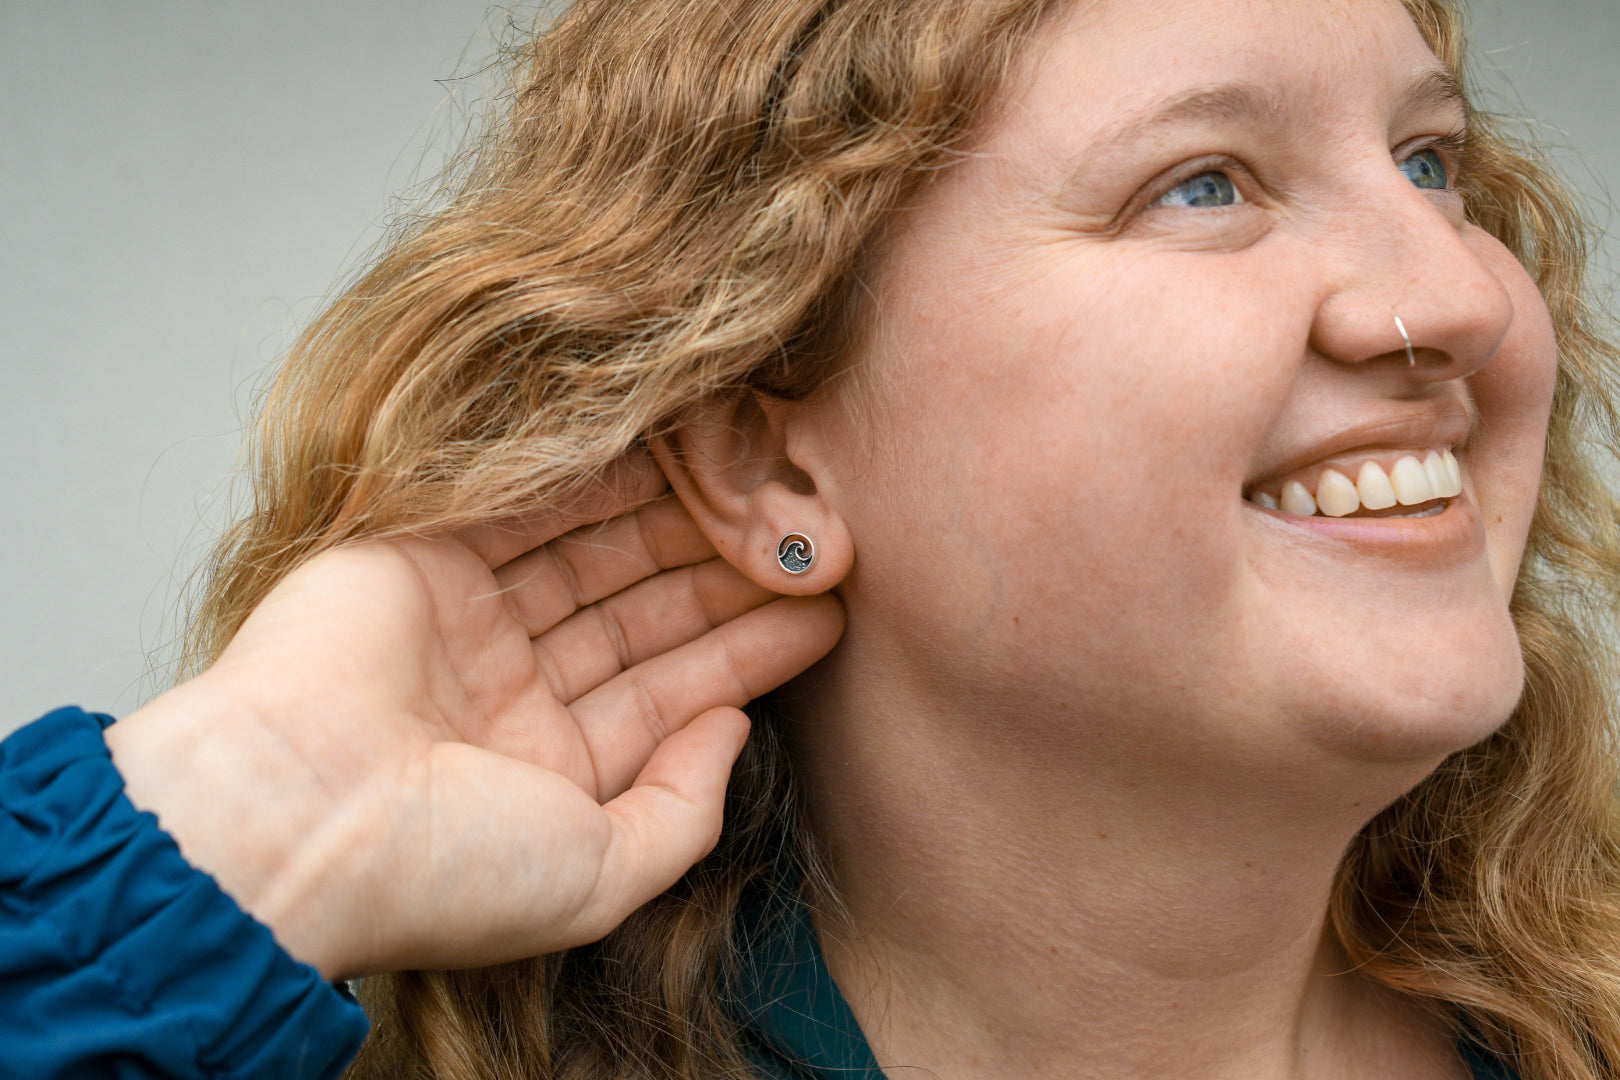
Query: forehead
1102	63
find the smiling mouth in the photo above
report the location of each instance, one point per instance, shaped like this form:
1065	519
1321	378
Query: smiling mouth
1407	484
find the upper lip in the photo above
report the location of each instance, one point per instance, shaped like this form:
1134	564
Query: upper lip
1434	426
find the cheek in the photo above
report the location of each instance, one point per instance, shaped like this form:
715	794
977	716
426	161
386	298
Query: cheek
1129	416
1514	395
1075	455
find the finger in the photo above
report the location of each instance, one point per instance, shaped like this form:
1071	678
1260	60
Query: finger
625	718
524	862
653	616
629	482
546	585
667	820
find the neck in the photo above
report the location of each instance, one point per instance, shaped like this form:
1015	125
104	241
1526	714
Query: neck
1024	905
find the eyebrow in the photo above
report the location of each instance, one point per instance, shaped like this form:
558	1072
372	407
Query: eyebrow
1434	88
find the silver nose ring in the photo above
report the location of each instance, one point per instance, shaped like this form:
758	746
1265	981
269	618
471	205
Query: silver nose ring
1411	357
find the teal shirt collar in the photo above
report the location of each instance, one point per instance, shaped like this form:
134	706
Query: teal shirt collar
797	1025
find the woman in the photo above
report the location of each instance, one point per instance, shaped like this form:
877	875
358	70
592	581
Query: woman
1216	694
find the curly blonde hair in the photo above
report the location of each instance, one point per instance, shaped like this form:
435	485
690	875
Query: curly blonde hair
672	201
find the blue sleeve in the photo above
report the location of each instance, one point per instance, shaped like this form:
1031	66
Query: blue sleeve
120	959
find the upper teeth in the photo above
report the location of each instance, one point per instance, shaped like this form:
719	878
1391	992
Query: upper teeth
1409	483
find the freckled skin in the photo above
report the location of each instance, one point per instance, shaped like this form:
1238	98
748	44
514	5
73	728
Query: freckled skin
1200	706
1108	393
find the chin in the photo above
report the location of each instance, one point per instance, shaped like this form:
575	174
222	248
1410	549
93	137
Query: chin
1422	729
1412	697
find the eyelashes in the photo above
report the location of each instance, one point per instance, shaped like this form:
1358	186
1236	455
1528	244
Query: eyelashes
1434	165
1455	149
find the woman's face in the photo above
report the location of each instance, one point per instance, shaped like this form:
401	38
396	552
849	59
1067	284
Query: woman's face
1164	285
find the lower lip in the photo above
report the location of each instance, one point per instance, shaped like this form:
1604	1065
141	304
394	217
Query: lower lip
1456	532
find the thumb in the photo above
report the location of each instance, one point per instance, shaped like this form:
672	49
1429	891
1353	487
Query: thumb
669	818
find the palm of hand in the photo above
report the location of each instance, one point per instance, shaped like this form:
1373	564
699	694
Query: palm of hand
498	744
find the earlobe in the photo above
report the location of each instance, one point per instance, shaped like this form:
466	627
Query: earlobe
759	494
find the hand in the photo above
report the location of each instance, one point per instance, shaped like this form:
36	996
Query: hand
460	751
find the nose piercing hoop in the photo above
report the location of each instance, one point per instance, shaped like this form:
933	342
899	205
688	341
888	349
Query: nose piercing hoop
795	553
1411	357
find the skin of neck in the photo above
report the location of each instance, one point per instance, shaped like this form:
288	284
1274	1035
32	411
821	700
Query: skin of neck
1028	893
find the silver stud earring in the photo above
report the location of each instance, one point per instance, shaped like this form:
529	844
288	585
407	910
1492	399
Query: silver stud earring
1411	357
795	553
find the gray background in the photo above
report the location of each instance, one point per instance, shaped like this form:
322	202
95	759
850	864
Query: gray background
182	181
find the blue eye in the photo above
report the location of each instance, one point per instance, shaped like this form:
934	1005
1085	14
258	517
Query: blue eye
1426	170
1205	189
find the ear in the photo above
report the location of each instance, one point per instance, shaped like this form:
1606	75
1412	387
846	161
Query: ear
751	479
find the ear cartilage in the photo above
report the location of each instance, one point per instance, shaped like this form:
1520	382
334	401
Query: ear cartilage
796	553
1411	357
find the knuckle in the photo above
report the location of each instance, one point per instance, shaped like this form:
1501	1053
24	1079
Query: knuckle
567	576
701	596
648	711
649	538
552	674
736	670
614	630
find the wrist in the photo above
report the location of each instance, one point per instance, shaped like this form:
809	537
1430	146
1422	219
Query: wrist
237	801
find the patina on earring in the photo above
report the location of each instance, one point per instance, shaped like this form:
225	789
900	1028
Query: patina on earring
1411	357
795	553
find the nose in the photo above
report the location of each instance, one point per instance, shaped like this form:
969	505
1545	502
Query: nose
1401	270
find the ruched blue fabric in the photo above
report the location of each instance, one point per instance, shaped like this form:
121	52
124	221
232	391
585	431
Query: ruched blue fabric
120	959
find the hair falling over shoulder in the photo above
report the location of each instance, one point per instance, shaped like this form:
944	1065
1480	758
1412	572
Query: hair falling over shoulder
672	200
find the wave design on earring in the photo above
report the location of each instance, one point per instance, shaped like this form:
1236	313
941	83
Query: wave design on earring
795	553
1411	357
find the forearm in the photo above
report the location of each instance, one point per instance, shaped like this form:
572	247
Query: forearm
116	953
